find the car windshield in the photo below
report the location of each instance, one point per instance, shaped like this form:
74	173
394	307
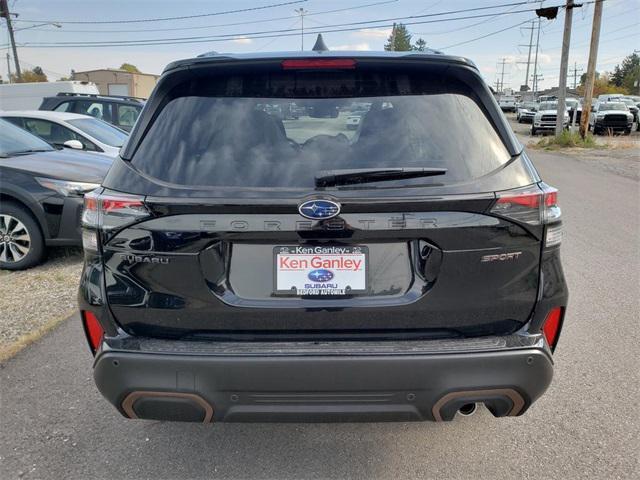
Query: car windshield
571	102
548	106
612	106
238	131
101	131
14	140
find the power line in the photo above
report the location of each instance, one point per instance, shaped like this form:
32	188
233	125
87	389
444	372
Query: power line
486	35
282	32
233	24
164	19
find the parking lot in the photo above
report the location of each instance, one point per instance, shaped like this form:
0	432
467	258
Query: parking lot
55	424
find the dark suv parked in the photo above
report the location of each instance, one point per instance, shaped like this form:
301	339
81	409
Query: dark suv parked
240	267
41	195
119	111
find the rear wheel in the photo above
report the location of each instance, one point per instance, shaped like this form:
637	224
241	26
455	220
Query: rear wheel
21	240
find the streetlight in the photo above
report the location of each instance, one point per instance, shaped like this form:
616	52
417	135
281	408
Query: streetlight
302	12
53	24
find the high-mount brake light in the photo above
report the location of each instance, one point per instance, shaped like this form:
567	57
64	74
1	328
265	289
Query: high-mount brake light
315	63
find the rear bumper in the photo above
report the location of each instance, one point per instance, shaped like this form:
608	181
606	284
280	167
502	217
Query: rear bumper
205	382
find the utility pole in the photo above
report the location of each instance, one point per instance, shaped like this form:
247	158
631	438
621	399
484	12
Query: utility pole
575	70
528	62
535	63
9	67
4	12
502	63
302	12
564	61
535	81
591	67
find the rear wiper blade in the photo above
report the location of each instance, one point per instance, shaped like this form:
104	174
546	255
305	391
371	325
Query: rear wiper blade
331	178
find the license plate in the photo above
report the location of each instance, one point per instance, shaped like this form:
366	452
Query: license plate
320	270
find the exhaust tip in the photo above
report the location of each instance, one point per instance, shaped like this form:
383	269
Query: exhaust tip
467	409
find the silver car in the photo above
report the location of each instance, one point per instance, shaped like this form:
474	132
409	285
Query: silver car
70	130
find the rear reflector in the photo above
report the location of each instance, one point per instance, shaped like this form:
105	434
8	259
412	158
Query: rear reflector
93	330
551	327
295	64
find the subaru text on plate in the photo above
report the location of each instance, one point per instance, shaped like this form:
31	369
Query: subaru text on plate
244	267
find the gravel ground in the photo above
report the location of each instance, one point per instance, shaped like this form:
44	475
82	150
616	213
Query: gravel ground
35	299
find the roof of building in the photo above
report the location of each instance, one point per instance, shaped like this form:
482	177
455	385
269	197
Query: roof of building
115	70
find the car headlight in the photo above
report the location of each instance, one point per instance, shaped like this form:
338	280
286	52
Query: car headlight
66	187
600	116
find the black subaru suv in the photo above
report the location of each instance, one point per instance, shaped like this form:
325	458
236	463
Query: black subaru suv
242	267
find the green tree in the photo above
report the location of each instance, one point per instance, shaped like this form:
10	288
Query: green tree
627	72
399	40
129	68
29	76
420	45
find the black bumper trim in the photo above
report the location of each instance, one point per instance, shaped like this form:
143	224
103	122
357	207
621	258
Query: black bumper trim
330	388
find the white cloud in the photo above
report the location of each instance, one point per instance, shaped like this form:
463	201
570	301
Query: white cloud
242	40
357	46
373	33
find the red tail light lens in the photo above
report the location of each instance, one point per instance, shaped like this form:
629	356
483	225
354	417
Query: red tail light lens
92	329
535	204
551	326
107	211
315	63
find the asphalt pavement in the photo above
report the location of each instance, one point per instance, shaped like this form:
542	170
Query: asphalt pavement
55	425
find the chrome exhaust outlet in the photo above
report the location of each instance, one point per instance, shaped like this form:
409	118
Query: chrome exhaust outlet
467	409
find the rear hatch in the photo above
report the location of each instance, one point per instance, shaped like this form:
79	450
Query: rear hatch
228	219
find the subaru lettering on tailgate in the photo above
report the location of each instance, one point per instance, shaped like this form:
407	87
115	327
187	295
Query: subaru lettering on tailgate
319	209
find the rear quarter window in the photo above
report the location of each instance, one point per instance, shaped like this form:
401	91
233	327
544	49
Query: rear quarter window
279	131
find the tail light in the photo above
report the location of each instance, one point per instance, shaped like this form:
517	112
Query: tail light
316	63
551	327
535	205
109	211
92	329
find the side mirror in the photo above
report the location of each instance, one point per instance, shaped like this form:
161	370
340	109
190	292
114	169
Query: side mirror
74	144
593	109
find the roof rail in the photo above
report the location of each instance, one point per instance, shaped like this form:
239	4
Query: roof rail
98	95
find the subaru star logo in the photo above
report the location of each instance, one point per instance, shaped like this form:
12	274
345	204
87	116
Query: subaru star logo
320	275
319	209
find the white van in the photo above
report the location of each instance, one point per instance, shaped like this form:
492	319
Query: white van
28	96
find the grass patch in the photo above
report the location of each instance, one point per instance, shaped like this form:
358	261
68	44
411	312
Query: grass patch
567	139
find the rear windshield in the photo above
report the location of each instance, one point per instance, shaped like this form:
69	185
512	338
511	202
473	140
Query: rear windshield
280	130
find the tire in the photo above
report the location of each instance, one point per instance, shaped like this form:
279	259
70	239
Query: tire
21	240
627	131
533	132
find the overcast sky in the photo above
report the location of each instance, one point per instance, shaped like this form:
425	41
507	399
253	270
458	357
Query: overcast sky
620	33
